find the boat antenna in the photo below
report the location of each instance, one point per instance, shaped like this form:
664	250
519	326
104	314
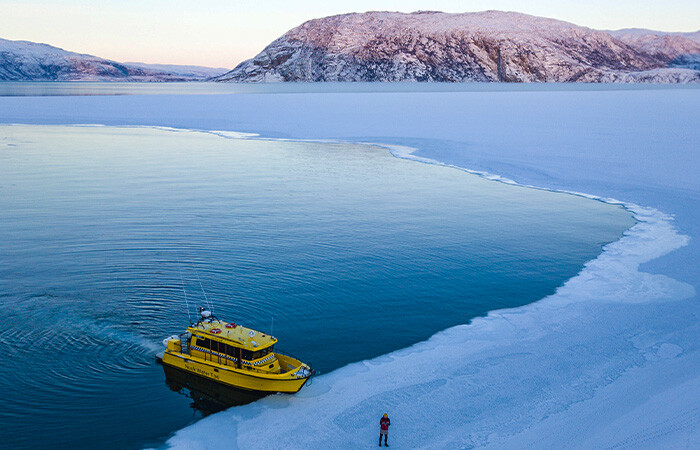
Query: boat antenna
182	283
272	325
202	287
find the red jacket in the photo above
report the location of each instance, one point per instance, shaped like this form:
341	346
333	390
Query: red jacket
384	423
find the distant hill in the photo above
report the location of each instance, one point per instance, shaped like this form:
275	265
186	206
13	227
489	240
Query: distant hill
29	61
484	46
196	72
681	48
631	33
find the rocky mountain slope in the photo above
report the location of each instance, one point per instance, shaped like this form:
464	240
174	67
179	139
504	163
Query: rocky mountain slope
29	61
681	48
484	46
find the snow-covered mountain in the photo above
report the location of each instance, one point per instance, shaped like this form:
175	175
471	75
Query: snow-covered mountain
632	33
483	46
683	48
195	72
29	61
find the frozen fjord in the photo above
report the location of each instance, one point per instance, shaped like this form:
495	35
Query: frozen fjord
613	355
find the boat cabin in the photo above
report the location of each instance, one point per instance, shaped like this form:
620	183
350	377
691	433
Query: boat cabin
234	345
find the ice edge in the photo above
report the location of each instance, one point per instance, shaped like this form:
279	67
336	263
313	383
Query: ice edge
613	276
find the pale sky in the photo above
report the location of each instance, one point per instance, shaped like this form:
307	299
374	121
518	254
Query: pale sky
220	33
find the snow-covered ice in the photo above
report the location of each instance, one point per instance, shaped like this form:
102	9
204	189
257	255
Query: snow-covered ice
612	360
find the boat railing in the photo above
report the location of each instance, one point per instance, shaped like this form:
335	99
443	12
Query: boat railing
185	343
226	360
285	354
293	357
223	359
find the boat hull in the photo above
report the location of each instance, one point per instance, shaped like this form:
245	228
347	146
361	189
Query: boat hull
234	377
208	396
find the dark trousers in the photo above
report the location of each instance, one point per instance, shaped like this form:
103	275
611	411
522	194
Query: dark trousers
386	436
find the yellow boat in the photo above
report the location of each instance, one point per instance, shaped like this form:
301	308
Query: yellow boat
235	356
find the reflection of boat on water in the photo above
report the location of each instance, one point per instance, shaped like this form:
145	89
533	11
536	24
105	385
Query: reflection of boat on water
235	356
207	396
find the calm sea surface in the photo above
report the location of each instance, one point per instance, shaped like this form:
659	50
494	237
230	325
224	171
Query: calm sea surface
354	253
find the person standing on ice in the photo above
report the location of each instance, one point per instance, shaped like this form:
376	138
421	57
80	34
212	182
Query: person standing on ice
384	423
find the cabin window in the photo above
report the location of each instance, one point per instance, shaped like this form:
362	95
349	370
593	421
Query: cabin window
262	353
231	350
203	342
216	346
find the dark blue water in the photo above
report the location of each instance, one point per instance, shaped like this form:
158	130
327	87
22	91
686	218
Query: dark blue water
354	252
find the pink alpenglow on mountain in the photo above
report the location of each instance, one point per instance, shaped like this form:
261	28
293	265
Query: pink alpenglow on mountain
484	46
31	61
